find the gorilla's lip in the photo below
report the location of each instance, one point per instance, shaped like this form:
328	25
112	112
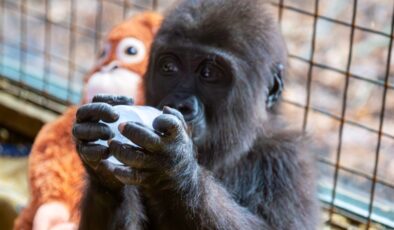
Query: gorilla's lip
196	126
195	119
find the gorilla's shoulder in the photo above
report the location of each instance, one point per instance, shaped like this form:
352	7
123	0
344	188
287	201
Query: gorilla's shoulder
280	143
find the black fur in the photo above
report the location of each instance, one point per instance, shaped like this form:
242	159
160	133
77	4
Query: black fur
238	167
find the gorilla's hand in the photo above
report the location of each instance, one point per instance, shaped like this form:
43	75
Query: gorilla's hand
87	129
166	156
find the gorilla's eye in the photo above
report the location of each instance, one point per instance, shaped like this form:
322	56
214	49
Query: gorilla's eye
206	73
169	67
130	51
210	73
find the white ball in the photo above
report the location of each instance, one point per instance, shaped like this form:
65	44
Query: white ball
142	114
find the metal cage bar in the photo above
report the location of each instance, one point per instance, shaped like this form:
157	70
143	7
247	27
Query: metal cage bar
381	121
310	69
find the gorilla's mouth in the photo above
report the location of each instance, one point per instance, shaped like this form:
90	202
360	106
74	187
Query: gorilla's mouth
192	110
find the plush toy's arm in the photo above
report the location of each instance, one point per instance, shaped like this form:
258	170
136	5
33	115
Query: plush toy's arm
55	170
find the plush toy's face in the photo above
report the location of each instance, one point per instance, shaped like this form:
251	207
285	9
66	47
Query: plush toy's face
115	74
123	60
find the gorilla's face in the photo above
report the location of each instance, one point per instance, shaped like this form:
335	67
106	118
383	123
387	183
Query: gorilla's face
219	75
195	81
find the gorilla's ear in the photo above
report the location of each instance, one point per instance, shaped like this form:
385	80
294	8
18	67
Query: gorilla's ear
277	87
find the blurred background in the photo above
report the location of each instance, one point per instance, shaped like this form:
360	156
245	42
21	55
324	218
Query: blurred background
339	88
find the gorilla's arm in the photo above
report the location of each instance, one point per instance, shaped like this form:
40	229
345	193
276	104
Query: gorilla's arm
99	207
265	189
108	209
270	185
268	188
210	207
180	194
106	201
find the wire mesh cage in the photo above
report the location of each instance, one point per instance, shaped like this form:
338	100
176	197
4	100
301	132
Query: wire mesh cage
340	86
47	46
343	61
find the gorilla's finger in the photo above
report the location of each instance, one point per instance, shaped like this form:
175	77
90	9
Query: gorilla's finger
130	176
140	135
90	131
130	155
175	112
113	100
96	112
169	124
92	154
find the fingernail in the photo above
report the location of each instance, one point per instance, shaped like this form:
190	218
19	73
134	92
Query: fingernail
116	116
166	109
121	127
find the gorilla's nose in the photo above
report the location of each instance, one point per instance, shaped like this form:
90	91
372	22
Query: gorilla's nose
188	107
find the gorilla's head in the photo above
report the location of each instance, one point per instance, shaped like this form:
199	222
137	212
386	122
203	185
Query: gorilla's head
221	68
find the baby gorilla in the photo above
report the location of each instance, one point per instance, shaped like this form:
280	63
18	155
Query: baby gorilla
217	158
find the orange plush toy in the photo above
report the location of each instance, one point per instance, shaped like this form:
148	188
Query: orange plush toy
56	174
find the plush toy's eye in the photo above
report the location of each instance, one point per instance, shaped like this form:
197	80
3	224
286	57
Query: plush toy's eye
104	53
130	51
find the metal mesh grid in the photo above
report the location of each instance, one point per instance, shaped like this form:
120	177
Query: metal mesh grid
64	35
39	41
337	163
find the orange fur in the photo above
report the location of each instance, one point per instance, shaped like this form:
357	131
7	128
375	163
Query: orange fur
55	170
